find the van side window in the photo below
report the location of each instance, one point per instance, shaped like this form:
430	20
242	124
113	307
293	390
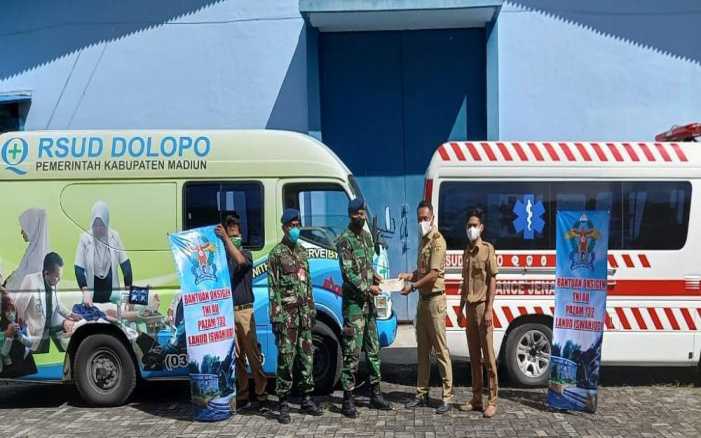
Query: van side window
588	195
324	210
515	215
208	204
643	215
656	214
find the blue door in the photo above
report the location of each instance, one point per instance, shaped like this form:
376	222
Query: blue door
388	99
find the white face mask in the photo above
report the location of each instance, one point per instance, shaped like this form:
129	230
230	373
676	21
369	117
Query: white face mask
11	316
424	228
473	233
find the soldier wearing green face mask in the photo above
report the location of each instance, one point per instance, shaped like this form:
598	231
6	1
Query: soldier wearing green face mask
292	314
241	271
360	286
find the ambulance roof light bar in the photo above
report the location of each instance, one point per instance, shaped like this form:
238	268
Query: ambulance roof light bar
690	132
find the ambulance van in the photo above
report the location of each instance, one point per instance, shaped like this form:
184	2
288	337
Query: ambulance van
60	189
652	193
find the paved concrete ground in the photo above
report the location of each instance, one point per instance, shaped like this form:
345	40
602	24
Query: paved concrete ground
633	402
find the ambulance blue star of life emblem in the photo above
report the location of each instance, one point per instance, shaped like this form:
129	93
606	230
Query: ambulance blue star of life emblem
529	216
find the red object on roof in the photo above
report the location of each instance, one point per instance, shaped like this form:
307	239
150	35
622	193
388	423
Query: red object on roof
690	132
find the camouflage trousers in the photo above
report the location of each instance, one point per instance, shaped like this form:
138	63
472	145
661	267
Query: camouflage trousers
359	333
294	352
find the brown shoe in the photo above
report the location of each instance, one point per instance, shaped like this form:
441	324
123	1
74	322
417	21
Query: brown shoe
470	406
490	411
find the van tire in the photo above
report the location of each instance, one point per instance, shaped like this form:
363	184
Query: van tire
526	354
105	374
327	358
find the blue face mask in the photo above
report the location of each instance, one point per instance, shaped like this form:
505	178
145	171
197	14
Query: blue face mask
294	234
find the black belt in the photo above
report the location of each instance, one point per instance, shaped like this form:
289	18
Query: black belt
427	297
243	307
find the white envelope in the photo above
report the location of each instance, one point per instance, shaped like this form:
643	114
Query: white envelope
391	285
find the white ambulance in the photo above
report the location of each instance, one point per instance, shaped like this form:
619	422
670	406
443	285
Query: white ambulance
652	192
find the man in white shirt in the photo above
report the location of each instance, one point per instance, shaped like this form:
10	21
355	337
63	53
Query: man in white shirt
39	307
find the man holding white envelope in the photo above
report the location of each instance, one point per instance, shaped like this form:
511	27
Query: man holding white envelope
431	309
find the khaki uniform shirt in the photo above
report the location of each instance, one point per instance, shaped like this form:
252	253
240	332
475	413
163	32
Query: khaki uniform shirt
479	265
431	256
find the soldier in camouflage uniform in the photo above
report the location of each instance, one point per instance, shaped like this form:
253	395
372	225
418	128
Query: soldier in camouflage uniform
292	314
360	285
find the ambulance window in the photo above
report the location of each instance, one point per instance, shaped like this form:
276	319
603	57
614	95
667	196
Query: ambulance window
656	214
517	215
208	204
324	210
589	195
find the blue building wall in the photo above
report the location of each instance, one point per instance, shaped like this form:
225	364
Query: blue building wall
156	64
597	70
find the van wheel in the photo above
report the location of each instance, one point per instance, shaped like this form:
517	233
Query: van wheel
104	371
327	358
527	355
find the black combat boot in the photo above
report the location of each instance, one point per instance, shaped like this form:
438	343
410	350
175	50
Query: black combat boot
348	408
377	401
418	402
284	416
309	407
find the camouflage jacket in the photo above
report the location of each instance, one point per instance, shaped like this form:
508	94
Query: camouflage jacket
355	257
290	285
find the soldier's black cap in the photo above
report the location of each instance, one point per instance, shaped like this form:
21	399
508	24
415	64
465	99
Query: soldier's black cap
289	215
356	204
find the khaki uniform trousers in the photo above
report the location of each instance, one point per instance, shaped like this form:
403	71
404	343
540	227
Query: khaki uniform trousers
247	348
430	334
480	343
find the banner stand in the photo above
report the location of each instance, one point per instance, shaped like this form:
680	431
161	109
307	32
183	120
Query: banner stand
580	309
209	322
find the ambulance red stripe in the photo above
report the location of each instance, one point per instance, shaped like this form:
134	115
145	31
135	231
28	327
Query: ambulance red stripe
663	152
647	152
522	310
678	150
608	322
639	318
488	150
688	318
599	152
655	319
583	151
628	261
551	151
458	151
473	151
520	152
631	153
614	150
644	261
443	153
671	318
504	151
508	314
622	317
536	152
612	261
568	153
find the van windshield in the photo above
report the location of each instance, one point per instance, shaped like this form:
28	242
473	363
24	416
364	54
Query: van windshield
323	207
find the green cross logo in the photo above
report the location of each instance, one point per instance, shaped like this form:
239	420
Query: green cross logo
14	152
